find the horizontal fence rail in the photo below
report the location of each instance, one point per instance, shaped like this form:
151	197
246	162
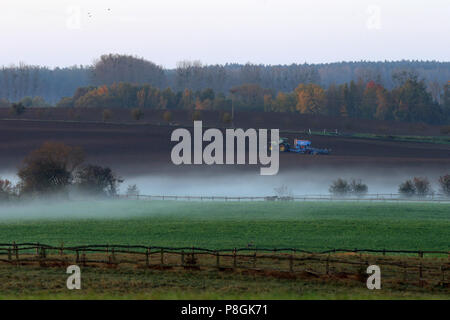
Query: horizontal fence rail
318	197
416	267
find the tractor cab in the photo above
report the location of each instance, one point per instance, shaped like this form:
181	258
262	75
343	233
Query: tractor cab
302	144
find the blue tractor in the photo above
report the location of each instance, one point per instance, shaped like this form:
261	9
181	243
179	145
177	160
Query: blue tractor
300	146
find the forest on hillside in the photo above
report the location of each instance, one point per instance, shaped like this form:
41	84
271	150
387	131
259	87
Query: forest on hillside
17	82
409	101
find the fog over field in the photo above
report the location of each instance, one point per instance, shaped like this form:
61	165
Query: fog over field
306	181
230	182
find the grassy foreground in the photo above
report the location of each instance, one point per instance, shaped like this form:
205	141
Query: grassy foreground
308	225
101	283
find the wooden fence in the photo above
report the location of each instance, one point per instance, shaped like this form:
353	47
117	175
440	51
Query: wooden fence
418	268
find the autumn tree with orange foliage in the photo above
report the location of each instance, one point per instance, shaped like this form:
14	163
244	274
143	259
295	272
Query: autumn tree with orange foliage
310	99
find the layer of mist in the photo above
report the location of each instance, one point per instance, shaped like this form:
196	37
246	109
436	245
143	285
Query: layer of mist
311	181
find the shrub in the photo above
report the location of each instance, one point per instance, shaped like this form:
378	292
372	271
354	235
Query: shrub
284	193
418	186
132	191
444	183
358	188
137	114
407	189
422	186
97	181
49	168
226	118
167	116
106	115
340	187
17	109
196	115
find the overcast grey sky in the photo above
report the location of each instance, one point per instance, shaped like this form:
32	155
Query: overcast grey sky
62	33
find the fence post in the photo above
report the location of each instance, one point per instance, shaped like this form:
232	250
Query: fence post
16	250
78	256
147	257
217	260
113	255
162	256
291	263
61	251
327	267
37	249
182	257
361	263
9	253
254	260
83	258
234	258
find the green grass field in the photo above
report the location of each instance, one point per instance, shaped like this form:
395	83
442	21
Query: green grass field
216	225
308	225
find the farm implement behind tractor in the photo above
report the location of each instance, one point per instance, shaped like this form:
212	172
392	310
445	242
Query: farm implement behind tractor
300	146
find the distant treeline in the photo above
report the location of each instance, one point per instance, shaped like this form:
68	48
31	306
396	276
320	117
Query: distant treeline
17	82
408	101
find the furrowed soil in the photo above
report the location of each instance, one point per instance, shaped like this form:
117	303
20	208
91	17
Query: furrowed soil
141	148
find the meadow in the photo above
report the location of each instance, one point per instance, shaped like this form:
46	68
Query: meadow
218	225
127	283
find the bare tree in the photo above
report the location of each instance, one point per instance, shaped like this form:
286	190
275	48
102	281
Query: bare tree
340	187
444	183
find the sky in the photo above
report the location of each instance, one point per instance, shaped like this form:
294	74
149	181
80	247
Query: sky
64	33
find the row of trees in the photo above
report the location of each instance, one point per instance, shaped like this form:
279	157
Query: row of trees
421	187
23	80
57	169
342	188
415	187
409	101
